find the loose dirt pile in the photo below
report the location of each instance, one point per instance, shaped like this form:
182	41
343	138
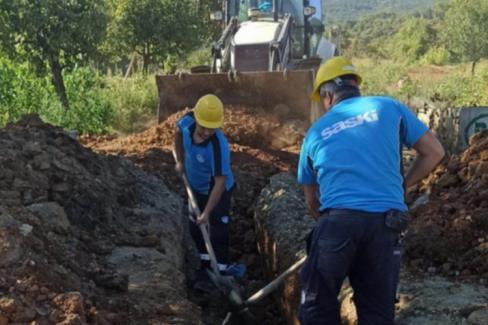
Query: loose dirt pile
85	238
449	232
251	127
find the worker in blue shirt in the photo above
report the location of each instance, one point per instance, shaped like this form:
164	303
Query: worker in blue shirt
202	153
350	167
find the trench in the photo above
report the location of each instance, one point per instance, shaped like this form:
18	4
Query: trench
252	176
254	137
252	170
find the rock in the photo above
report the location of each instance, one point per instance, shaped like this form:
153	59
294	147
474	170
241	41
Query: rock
482	169
3	320
484	155
479	317
447	180
41	298
9	305
42	162
20	184
116	281
61	187
10	248
70	303
25	229
32	148
73	319
33	289
437	301
25	315
482	248
6	220
52	215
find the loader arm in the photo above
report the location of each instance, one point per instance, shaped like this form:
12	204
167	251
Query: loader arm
220	48
280	49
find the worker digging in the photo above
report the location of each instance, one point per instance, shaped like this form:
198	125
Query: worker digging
350	166
202	155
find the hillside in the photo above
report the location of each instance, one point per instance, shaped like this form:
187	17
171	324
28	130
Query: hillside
340	10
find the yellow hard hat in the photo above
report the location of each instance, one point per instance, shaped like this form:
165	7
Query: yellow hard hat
335	67
209	112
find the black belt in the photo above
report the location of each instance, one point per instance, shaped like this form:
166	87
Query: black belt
337	212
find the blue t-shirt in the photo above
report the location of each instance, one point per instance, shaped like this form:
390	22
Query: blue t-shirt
353	154
205	160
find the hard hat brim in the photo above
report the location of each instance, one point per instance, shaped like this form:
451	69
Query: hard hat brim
210	125
315	96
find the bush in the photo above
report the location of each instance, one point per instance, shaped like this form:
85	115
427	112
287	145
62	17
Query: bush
380	77
202	56
462	90
134	101
436	56
22	92
91	110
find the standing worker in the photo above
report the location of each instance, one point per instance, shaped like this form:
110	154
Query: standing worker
350	166
202	153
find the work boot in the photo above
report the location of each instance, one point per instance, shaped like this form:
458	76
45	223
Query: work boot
236	270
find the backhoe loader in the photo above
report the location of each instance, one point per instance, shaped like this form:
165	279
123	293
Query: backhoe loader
265	57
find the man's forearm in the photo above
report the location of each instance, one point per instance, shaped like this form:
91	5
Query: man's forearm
420	169
430	153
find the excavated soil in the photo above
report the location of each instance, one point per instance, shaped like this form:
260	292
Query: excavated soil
84	238
449	231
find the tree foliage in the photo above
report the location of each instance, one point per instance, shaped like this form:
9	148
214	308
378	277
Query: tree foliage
339	11
413	40
52	34
157	29
466	29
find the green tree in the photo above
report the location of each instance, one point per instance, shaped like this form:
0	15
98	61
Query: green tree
156	29
466	30
52	34
413	40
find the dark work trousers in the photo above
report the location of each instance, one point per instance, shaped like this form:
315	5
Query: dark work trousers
358	245
219	230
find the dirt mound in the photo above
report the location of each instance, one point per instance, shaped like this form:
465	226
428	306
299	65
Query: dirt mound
448	234
245	126
70	223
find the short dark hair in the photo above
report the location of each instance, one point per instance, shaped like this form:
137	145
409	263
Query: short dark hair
343	84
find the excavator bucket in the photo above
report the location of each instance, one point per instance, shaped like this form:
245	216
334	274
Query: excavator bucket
286	93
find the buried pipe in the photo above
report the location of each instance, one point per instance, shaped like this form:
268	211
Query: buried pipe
263	292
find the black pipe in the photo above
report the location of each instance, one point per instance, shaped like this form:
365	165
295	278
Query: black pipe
306	31
275	10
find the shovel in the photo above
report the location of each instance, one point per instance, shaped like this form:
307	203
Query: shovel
263	292
225	284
